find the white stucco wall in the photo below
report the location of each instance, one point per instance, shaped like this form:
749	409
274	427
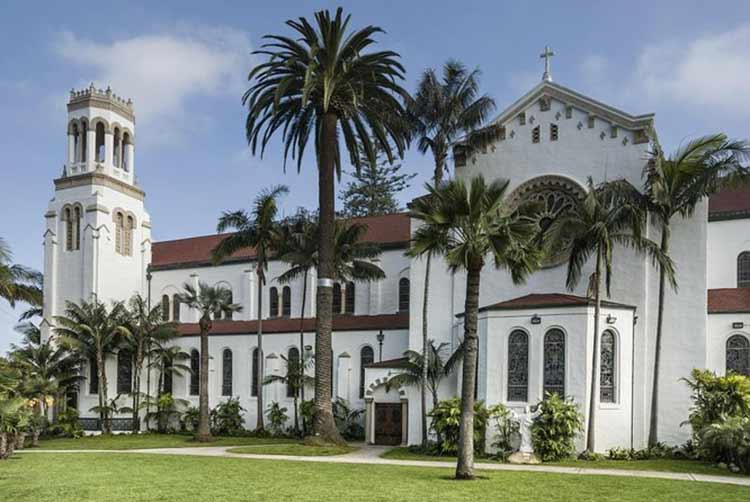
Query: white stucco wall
726	240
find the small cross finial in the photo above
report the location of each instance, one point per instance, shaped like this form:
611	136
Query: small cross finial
547	55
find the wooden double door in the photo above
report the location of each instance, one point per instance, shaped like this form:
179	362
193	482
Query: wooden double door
388	423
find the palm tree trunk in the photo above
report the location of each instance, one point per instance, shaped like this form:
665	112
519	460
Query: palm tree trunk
204	429
425	361
137	388
106	425
148	387
324	425
259	391
653	430
302	338
593	398
465	464
3	445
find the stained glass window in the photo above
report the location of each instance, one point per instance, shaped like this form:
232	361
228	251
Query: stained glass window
554	362
743	270
286	301
349	300
403	294
226	373
293	364
195	372
124	372
518	366
738	355
366	356
273	302
93	377
254	377
607	367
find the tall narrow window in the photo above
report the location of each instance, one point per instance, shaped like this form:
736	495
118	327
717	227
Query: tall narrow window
84	141
119	231
68	215
176	307
165	307
99	142
77	228
336	298
553	134
607	368
273	302
168	376
554	362
366	356
254	376
226	373
195	372
293	369
124	372
403	294
117	148
738	355
93	377
128	235
535	135
286	301
349	298
518	366
125	148
743	270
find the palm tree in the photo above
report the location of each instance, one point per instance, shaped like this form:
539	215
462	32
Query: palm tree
92	330
609	215
295	379
258	231
168	360
18	283
208	301
444	110
323	82
469	224
144	326
674	186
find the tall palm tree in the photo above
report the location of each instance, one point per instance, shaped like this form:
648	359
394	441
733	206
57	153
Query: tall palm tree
295	379
18	283
412	373
93	330
444	110
469	224
326	82
169	362
207	300
674	186
143	327
609	215
258	231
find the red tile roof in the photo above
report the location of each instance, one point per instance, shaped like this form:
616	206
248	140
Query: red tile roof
729	204
548	300
289	325
392	230
728	300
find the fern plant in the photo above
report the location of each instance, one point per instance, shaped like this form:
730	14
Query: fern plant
555	429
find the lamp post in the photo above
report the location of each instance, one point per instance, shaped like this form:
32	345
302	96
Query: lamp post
380	337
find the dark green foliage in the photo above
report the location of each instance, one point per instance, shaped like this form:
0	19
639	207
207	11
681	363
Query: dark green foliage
446	418
226	418
67	425
348	420
277	418
307	412
555	429
728	441
506	428
190	419
716	396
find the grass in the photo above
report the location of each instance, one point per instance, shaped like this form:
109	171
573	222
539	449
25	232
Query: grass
661	464
300	450
143	441
69	477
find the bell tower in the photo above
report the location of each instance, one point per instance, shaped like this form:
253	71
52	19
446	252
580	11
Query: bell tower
97	241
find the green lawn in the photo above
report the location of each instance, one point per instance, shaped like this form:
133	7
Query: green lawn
299	450
63	477
666	465
141	441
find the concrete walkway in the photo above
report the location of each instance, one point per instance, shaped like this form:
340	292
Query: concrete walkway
371	455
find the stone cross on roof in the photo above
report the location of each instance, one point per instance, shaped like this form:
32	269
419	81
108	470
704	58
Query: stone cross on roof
547	55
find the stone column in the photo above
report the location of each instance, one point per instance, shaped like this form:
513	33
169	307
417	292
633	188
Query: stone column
404	421
369	421
71	148
129	154
90	148
109	146
344	376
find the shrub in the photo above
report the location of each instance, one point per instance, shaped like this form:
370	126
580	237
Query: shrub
67	425
226	418
446	419
621	454
728	441
348	420
190	419
715	397
555	429
505	430
307	413
590	456
277	418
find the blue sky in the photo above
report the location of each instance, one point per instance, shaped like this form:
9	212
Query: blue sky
184	65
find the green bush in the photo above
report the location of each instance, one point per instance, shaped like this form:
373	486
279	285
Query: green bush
307	413
348	420
446	419
728	441
590	456
226	418
277	418
67	425
555	429
505	429
715	397
190	419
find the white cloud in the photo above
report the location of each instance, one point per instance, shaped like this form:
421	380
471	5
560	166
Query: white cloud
161	71
713	70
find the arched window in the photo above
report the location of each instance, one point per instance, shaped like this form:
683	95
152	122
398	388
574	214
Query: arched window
554	362
168	374
336	298
99	145
403	294
518	366
226	373
273	302
68	215
125	147
117	148
366	356
286	301
254	376
128	234
83	144
77	228
119	232
176	307
738	355
165	307
76	143
743	270
93	377
607	368
349	298
293	368
124	372
195	372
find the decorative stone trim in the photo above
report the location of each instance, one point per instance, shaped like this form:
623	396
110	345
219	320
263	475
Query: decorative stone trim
92	97
545	103
50	214
98	178
92	208
146	224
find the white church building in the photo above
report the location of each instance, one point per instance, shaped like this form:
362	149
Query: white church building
534	338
